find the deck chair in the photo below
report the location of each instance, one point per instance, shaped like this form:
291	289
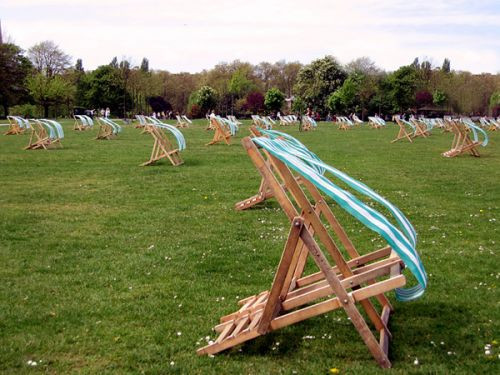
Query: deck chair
494	125
420	128
308	123
234	119
376	122
142	121
82	123
403	132
344	123
462	142
187	120
108	129
45	134
293	296
17	125
162	147
284	121
181	123
224	129
357	120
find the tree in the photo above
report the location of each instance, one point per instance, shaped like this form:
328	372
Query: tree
316	81
114	62
423	98
363	65
49	91
439	97
446	66
298	105
274	99
403	84
159	104
79	65
205	98
346	98
106	89
254	102
14	69
48	59
145	65
494	103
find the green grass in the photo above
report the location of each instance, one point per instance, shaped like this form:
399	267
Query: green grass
103	262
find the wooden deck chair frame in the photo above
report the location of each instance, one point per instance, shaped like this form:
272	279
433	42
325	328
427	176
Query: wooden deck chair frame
142	122
461	142
162	147
420	129
181	123
291	295
80	123
222	134
105	131
403	133
40	138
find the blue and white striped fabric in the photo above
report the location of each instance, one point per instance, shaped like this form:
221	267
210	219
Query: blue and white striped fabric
402	238
474	128
58	129
233	127
179	137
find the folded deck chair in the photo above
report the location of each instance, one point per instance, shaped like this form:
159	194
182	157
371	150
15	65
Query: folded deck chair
181	123
17	125
162	147
45	134
462	142
224	129
108	129
349	284
404	131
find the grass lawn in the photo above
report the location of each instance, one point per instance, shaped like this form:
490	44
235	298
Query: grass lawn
108	267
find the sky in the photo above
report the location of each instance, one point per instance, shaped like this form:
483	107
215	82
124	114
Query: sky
189	36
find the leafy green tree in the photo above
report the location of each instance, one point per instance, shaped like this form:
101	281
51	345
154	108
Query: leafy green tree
274	99
14	69
106	89
403	84
298	105
205	98
439	97
316	81
446	68
49	91
494	103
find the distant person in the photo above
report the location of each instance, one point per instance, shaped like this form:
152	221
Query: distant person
107	113
102	112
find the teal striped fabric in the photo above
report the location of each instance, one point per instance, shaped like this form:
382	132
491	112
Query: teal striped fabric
401	237
179	137
475	129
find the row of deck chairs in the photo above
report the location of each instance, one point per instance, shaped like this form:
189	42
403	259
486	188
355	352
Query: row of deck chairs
45	134
376	122
265	122
83	122
490	124
17	125
308	123
297	179
288	120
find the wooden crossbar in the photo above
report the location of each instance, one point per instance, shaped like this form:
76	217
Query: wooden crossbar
349	284
403	133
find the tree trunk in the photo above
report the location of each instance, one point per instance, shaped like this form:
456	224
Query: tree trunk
6	110
46	110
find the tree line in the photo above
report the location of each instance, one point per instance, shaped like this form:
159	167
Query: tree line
43	82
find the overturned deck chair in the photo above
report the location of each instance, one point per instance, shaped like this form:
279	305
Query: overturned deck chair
45	134
181	123
108	129
224	129
347	283
162	146
82	123
17	125
404	129
462	143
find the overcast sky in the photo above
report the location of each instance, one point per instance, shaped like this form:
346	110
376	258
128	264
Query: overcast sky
192	35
